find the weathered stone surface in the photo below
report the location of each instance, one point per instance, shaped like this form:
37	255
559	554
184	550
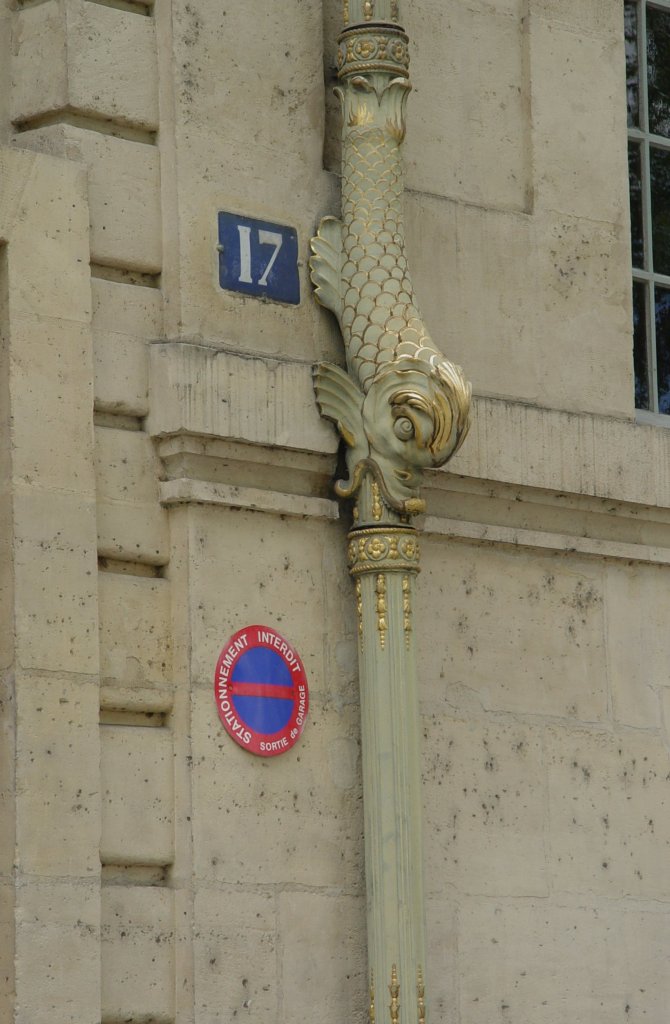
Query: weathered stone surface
481	158
607	804
323	950
236	948
548	961
579	168
285	588
512	632
125	319
638	645
57	766
6	946
221	60
57	620
123	193
137	931
484	809
57	966
244	398
45	197
135	645
131	523
299	814
92	59
137	779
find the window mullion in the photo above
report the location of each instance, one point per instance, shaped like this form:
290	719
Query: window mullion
646	207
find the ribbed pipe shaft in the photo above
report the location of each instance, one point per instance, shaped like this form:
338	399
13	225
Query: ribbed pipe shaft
384	561
362	12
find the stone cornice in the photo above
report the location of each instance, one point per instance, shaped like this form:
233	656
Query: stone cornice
214	393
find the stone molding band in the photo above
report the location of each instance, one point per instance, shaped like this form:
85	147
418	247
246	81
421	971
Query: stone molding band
383	549
366	49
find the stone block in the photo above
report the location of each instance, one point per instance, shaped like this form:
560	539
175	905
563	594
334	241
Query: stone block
566	452
607	804
292	820
57	952
123	191
583	321
323	957
297	198
93	60
135	644
548	963
7	778
51	371
45	198
56	616
484	810
56	777
137	778
511	631
579	143
137	954
665	711
6	948
248	399
588	17
235	951
6	575
468	131
125	319
441	971
638	645
39	70
131	523
6	18
222	60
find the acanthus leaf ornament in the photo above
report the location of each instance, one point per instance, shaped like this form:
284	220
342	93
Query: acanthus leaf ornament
402	407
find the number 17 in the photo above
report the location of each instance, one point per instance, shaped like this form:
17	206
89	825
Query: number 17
264	238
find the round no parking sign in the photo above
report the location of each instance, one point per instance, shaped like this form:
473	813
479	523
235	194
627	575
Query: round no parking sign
261	691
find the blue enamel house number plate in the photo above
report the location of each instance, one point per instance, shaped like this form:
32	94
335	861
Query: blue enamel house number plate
258	258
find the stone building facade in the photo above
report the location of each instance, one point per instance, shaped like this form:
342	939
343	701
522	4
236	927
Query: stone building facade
166	479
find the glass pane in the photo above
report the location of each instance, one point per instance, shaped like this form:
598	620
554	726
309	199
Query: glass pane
659	168
635	179
658	61
632	68
663	348
640	360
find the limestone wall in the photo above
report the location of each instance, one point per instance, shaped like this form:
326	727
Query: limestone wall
167	480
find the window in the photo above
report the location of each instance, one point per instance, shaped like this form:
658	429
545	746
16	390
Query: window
647	35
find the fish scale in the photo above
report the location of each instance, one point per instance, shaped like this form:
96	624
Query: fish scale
380	319
402	406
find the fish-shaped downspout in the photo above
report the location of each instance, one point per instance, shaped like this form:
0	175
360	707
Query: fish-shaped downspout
403	407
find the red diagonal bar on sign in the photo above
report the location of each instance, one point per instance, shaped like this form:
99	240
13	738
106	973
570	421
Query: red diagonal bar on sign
262	690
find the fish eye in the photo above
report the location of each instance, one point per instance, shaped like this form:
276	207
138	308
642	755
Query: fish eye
403	428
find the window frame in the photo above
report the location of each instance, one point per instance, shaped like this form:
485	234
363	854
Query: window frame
645	140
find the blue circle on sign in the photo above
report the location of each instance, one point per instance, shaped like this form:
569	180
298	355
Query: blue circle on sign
266	714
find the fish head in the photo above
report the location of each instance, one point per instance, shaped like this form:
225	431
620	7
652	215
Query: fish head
415	415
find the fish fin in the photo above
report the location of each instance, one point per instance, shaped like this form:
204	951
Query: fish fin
340	400
326	265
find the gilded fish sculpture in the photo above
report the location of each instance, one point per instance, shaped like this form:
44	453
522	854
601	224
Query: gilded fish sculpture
402	407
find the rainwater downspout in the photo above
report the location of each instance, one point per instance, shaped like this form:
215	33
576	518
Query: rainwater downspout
400	407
